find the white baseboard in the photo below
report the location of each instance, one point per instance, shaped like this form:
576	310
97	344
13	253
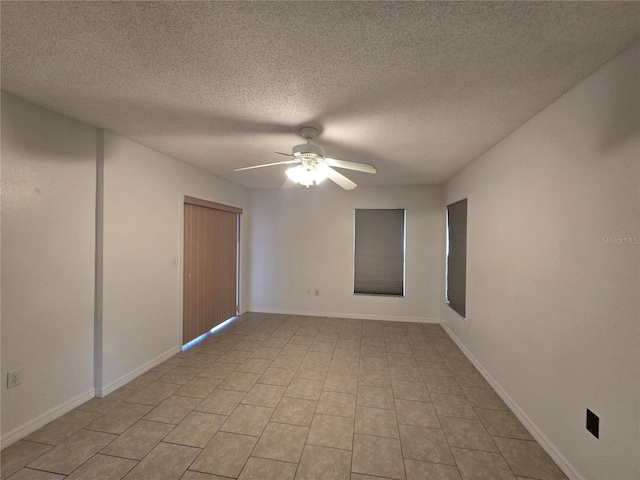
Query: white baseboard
41	420
360	316
568	469
102	391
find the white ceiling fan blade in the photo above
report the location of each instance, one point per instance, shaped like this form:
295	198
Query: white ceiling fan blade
285	154
340	179
286	162
288	183
357	166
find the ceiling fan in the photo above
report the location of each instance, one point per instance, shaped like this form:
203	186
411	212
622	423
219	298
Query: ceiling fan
313	167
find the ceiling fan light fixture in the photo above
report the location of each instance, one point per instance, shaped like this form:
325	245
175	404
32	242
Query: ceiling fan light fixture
307	175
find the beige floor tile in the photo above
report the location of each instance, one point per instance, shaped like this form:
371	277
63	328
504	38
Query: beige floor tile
219	370
148	378
294	411
264	469
154	393
465	433
164	462
30	474
346	354
474	465
410	391
241	382
325	347
200	360
375	378
281	442
191	475
254	365
528	459
399	347
376	421
264	395
277	376
321	463
18	455
295	350
257	336
275	342
503	423
221	402
337	403
373	364
235	356
288	362
103	467
453	406
348	343
377	456
248	420
344	367
327	337
138	441
305	389
405	373
435	369
199	387
378	397
375	341
484	398
341	383
401	359
299	339
73	452
62	428
180	375
248	345
417	470
421	414
425	444
330	431
373	351
470	378
312	371
360	476
109	402
120	418
440	384
169	364
196	430
173	410
266	353
225	455
427	355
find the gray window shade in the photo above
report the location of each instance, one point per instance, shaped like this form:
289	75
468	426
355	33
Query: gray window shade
457	258
379	252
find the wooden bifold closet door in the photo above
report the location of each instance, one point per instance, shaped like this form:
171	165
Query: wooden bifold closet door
211	238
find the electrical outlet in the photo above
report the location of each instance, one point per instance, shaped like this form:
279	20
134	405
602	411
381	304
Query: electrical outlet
317	292
14	378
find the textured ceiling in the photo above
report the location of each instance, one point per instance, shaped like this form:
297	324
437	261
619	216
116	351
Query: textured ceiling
419	89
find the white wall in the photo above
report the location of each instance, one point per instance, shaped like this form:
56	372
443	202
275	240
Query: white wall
143	209
303	239
554	309
48	207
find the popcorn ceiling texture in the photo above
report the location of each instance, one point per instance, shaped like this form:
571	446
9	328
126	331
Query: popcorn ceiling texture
419	89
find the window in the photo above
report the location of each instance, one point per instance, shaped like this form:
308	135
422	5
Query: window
456	273
379	252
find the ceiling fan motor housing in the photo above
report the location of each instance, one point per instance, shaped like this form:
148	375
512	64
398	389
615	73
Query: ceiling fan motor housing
308	149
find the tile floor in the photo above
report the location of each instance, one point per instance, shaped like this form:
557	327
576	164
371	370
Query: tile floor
276	397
